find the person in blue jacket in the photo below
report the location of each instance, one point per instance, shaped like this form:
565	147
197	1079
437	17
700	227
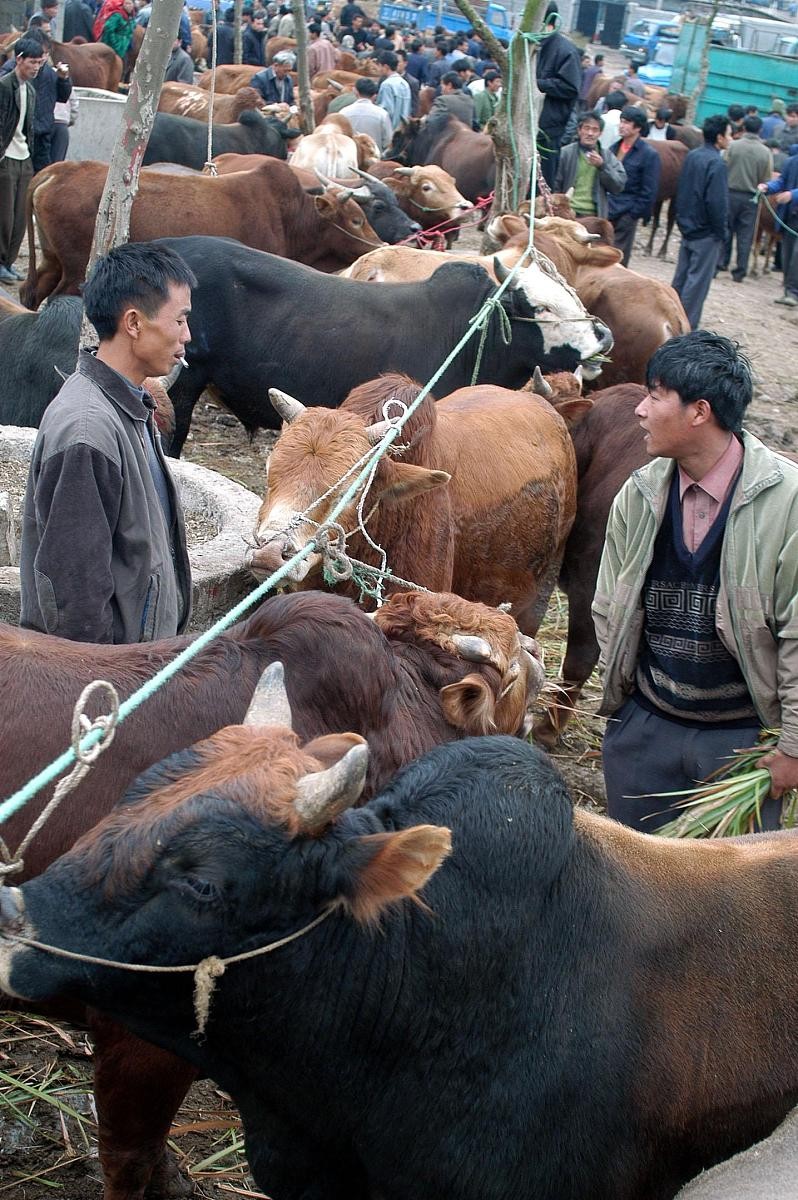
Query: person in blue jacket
642	167
785	188
702	214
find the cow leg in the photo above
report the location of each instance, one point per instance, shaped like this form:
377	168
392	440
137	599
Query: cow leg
184	394
138	1089
581	656
529	617
655	216
663	250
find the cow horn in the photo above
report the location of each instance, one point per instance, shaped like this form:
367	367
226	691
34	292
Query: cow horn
376	432
168	380
578	375
540	384
269	704
592	237
322	795
365	175
361	193
286	406
502	272
335	85
328	183
472	648
403	170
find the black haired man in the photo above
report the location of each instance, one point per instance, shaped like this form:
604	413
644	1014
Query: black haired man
17	105
702	214
696	605
103	556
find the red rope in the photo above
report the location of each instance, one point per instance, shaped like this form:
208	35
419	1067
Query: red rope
434	237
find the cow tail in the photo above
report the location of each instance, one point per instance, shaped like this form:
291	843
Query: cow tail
31	280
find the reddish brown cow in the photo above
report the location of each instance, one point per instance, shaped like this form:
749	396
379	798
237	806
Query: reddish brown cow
228	78
609	447
275	44
90	65
421	692
466	155
265	208
496	533
185	100
641	312
672	156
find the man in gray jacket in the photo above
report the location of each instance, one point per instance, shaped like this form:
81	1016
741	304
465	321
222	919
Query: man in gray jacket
589	169
103	555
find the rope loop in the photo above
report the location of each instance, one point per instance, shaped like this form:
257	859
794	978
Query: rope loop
105	724
482	322
205	976
331	545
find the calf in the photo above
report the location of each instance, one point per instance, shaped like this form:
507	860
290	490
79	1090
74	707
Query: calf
485	994
497	533
182	140
403	679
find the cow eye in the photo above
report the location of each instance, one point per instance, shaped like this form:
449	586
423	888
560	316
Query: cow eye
426	187
202	891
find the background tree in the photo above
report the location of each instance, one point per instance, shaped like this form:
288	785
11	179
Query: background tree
512	126
301	36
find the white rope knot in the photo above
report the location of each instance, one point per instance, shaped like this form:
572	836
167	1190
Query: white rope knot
205	976
106	723
331	544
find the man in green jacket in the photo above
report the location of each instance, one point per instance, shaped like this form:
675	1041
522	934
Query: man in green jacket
696	605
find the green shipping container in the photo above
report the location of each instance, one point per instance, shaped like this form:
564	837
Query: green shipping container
734	77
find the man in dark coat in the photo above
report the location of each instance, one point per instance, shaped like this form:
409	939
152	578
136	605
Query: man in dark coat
702	214
275	83
225	40
642	166
559	77
78	20
252	40
17	105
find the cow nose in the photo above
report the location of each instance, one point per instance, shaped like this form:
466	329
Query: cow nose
604	335
12	909
414	225
289	549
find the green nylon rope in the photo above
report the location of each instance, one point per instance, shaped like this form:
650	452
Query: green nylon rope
479	321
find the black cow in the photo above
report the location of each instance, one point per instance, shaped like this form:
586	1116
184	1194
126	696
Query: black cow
573	1012
34	348
247	338
383	213
184	140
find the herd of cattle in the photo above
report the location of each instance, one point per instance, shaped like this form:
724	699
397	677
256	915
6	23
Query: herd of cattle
510	997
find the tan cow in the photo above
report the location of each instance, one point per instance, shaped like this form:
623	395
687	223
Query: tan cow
329	151
427	194
496	533
186	100
228	78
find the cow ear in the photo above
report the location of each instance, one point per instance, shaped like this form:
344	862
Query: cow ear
401	481
573	411
469	705
604	256
324	205
394	867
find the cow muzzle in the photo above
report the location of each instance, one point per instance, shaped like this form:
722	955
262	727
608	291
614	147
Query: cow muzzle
272	551
12	910
591	367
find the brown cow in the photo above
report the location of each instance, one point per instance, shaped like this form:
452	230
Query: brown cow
609	446
275	44
641	312
228	78
428	194
422	690
466	155
186	100
495	534
672	156
90	65
265	208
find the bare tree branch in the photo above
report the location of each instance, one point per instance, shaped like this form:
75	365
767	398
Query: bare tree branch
497	50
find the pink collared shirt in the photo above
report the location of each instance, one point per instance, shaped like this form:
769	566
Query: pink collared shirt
702	501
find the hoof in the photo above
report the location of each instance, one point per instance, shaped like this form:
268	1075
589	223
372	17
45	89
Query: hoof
168	1182
545	734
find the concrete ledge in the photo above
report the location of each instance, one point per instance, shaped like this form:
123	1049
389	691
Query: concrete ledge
220	516
99	123
766	1171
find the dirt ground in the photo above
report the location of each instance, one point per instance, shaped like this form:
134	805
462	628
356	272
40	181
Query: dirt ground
47	1117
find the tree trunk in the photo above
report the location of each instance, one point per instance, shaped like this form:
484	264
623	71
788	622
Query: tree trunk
512	127
113	219
238	50
703	68
301	35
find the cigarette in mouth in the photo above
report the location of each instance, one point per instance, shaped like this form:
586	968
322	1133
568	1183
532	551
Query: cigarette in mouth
183	362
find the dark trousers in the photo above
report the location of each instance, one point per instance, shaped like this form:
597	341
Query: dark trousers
742	218
645	753
547	165
60	142
695	270
789	255
15	175
625	226
41	151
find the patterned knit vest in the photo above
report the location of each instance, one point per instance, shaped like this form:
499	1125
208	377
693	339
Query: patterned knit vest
684	671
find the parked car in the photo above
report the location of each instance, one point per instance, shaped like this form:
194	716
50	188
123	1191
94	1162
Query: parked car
659	70
643	37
